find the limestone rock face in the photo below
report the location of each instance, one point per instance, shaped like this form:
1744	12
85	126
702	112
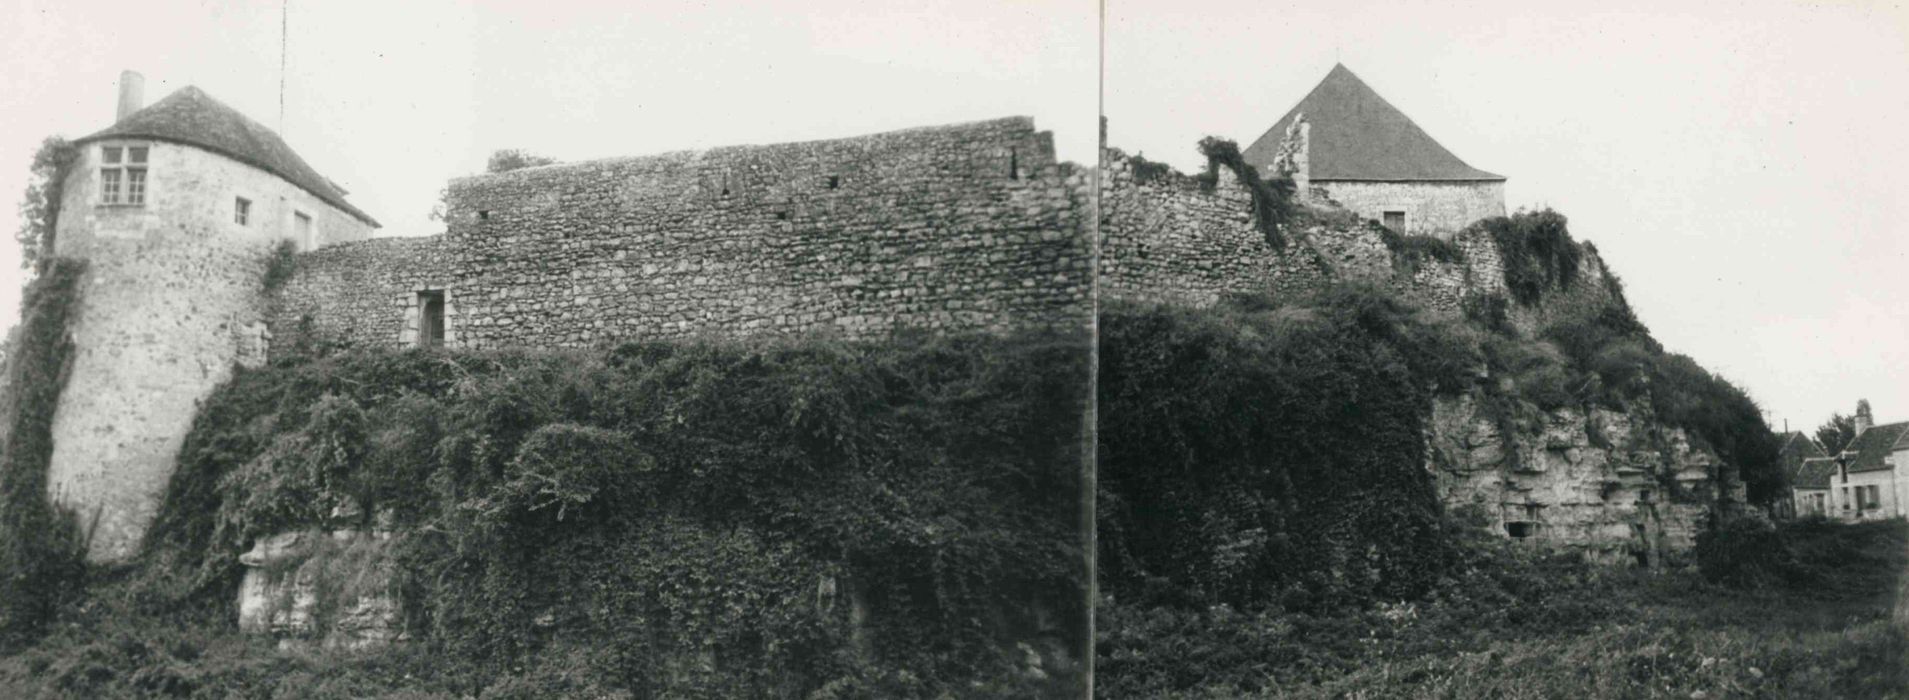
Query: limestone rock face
333	589
1615	484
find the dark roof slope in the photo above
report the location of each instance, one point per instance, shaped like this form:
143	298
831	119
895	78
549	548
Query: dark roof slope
1796	448
1357	135
1814	473
1867	451
191	117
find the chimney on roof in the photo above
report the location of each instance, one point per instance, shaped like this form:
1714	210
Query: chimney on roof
132	93
1863	419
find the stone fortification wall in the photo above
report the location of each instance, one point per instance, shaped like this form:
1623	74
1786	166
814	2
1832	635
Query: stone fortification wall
359	294
971	226
1170	239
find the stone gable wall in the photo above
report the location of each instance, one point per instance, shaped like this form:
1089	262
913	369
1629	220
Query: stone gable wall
1431	208
972	226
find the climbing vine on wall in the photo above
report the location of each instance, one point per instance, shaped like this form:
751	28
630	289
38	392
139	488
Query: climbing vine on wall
40	206
1272	197
41	546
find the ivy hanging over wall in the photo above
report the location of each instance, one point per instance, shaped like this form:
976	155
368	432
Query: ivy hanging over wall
1273	204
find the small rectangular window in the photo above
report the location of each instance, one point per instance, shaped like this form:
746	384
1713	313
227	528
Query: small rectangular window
109	186
1395	220
135	185
241	211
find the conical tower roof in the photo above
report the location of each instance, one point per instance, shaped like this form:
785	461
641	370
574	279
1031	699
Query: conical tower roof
1357	135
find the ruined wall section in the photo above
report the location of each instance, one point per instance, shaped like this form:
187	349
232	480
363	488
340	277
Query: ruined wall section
361	294
1171	239
1616	484
948	228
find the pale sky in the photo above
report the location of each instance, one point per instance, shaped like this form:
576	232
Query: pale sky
1737	163
391	99
1740	165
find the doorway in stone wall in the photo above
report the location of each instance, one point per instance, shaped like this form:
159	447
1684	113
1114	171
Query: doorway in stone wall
431	319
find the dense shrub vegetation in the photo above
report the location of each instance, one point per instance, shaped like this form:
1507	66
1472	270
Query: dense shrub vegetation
40	204
1266	518
666	519
1536	250
1253	454
41	546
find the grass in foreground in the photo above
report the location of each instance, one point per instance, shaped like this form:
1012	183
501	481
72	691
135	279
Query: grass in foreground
1523	626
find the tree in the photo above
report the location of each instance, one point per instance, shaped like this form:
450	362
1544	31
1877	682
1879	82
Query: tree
40	206
1837	433
507	159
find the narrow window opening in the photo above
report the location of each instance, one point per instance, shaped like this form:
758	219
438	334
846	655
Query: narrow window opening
431	319
1520	530
304	230
242	211
1014	164
782	216
1646	497
835	181
1395	220
484	214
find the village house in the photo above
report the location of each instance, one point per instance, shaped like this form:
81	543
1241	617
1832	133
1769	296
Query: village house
1345	144
1872	481
1809	471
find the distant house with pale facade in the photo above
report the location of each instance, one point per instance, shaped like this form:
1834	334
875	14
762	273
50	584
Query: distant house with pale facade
1809	471
1346	144
1873	476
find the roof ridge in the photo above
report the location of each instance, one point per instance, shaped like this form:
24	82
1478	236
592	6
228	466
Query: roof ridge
1358	135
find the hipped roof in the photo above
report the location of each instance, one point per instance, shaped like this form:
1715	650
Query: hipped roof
191	117
1357	135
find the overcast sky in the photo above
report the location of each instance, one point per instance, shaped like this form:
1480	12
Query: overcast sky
1739	164
1742	166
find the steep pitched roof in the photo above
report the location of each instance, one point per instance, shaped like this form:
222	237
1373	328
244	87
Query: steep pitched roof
191	117
1814	473
1867	451
1357	135
1796	448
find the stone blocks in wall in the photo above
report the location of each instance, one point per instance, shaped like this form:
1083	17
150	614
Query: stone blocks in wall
964	227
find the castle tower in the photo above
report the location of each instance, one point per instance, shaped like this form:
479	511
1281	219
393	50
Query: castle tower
1347	143
178	206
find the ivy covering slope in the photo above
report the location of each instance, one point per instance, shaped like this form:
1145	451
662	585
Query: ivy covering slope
1268	456
664	519
40	545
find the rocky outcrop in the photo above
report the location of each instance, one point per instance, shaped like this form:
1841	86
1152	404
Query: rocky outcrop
1615	484
333	589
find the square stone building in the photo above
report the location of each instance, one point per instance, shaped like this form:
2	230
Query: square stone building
1345	143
